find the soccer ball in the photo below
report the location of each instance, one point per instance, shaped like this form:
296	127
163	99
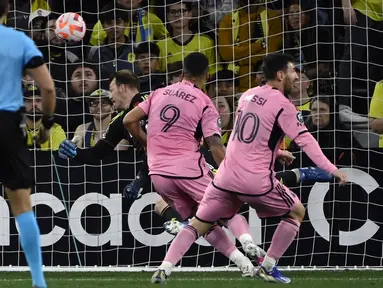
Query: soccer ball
70	27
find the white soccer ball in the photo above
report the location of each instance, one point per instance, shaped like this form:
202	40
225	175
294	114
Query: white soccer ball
70	27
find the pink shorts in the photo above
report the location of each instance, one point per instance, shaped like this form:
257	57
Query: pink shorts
183	195
218	204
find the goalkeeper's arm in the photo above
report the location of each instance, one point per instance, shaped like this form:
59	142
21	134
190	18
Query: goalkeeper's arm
94	154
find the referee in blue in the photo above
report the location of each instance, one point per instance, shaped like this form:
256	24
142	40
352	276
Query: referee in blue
18	53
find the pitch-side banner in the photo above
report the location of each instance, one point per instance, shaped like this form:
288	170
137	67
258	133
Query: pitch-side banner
85	221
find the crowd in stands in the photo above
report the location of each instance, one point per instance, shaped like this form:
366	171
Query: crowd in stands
337	45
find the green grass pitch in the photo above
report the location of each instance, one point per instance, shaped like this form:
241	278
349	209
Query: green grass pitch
328	279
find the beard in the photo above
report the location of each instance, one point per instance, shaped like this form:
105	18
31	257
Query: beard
287	87
34	116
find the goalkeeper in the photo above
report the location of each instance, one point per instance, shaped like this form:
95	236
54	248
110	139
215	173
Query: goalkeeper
125	95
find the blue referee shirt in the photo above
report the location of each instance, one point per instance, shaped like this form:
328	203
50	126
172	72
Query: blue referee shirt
16	50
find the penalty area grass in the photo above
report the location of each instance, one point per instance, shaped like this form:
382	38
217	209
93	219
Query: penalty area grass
302	279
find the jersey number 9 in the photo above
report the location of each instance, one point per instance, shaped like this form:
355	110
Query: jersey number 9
170	115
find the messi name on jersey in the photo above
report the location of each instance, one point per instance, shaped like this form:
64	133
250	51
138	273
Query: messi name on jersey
180	94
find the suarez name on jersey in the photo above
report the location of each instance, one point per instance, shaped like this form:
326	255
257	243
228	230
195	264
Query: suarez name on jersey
178	116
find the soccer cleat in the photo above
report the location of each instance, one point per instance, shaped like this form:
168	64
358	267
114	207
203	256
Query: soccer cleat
247	268
159	277
135	188
274	276
174	227
314	174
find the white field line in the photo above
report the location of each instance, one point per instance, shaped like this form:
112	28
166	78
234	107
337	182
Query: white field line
297	279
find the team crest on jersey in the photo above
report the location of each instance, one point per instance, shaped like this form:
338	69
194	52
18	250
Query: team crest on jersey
300	117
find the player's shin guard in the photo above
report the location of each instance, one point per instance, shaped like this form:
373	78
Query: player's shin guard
283	236
30	242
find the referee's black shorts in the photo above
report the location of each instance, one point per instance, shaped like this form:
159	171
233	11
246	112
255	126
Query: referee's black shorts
15	159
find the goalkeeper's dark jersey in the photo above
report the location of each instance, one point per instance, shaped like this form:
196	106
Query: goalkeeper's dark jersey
115	132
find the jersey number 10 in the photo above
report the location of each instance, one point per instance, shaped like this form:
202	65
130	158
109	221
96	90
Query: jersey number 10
248	121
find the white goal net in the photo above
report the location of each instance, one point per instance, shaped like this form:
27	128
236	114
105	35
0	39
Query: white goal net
83	217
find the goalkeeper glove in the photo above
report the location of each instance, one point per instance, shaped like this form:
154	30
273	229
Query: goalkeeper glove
134	189
67	149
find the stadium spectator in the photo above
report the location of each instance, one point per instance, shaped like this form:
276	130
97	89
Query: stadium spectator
147	60
33	112
73	110
182	40
101	109
174	72
19	10
259	76
213	11
333	137
116	52
300	97
376	112
142	25
307	42
246	35
223	83
363	37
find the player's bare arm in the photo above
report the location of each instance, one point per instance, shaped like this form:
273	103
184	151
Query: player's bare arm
132	123
216	147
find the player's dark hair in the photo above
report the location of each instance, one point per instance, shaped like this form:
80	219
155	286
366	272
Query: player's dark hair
147	48
110	13
3	7
195	65
127	77
274	63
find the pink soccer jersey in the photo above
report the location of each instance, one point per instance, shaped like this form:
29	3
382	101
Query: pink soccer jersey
178	116
264	116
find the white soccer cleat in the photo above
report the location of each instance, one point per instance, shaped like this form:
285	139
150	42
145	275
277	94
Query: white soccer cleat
247	268
159	277
174	227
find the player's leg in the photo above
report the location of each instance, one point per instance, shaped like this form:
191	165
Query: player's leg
300	175
214	234
240	228
279	202
17	178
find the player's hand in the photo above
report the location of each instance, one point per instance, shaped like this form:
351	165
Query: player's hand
43	135
67	149
340	176
349	16
285	157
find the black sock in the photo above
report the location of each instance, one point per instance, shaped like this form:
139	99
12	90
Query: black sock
288	178
169	213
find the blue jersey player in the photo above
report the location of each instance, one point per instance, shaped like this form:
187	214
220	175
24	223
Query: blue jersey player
18	53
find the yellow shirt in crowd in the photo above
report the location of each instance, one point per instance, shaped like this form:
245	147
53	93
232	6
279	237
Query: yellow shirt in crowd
371	8
172	51
376	106
57	136
152	25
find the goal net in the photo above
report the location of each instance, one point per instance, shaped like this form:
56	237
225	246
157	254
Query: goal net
84	220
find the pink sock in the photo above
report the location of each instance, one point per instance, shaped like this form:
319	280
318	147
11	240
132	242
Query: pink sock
238	226
283	237
219	240
181	244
